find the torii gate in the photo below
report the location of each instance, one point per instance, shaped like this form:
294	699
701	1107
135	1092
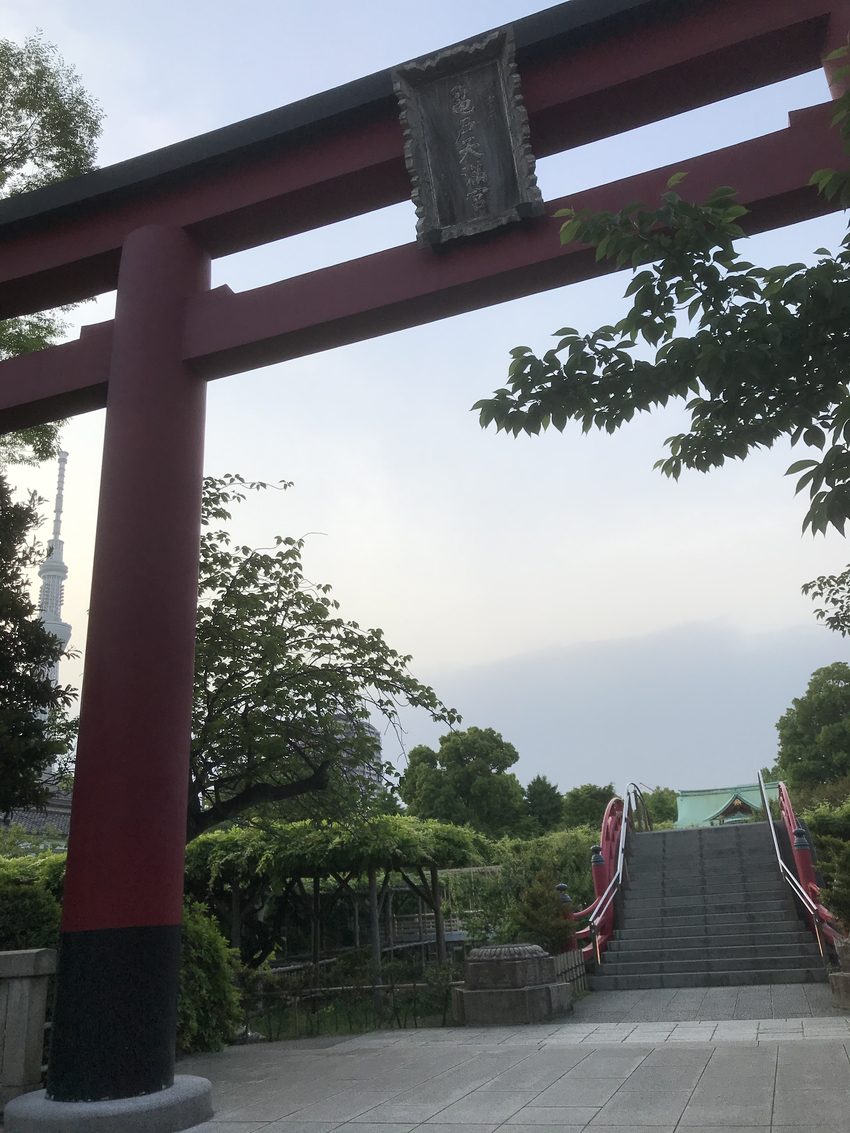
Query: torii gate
149	226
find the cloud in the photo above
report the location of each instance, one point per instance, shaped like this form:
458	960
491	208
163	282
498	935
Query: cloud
689	707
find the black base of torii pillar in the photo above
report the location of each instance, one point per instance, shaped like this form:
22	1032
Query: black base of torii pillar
116	1002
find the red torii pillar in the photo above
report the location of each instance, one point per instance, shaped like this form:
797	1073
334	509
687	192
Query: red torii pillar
114	1020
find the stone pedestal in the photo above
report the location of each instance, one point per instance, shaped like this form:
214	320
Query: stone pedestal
508	985
840	984
23	1006
182	1106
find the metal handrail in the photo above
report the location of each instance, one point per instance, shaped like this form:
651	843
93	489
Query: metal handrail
811	907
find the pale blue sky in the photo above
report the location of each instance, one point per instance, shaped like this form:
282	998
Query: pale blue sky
492	561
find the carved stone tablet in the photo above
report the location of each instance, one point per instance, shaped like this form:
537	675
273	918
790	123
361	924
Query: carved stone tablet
467	140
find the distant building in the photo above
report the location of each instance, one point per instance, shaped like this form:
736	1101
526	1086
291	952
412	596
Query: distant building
56	816
722	804
53	573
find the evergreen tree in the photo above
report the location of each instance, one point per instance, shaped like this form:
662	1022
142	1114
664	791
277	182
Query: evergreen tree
545	803
29	703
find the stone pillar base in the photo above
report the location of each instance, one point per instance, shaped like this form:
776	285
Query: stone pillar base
840	984
511	1006
188	1102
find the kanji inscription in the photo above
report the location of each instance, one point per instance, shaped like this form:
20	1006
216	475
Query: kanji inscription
466	139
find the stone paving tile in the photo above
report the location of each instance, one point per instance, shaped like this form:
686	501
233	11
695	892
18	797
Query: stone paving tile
579	1091
348	1105
292	1125
396	1114
539	1071
485	1105
564	1116
608	1063
812	1106
729	1102
654	1109
750	1062
436	1127
662	1078
364	1127
737	1128
519	1127
227	1127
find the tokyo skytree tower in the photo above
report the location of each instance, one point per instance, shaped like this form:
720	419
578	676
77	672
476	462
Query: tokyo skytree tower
53	573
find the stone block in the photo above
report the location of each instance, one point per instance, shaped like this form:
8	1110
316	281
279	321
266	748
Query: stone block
511	1006
508	966
23	1007
840	984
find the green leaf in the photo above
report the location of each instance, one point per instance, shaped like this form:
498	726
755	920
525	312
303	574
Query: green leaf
676	179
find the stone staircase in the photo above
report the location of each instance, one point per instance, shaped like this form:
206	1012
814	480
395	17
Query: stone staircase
707	908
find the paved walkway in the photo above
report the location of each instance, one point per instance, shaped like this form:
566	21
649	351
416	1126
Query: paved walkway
766	1075
675	1005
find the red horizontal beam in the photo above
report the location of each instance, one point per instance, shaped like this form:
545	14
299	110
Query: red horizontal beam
228	333
61	381
721	48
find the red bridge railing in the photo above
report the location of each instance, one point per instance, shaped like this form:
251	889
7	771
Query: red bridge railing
610	870
805	885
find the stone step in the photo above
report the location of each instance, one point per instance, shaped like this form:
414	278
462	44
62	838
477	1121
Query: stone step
683	906
720	936
760	920
724	888
658	965
668	952
709	979
712	870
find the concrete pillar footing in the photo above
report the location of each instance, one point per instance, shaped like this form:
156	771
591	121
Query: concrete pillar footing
185	1104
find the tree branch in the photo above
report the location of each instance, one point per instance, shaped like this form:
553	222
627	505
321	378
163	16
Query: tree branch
255	795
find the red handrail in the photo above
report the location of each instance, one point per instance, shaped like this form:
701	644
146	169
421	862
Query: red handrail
820	917
607	865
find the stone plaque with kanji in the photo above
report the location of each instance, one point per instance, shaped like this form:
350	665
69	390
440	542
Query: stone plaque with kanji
467	140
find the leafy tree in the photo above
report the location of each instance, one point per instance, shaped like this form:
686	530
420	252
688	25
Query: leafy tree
545	803
662	804
30	706
814	734
253	877
834	591
764	355
49	126
585	805
467	781
283	686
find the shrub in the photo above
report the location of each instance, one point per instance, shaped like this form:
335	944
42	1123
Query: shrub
30	908
830	830
542	918
208	1008
497	898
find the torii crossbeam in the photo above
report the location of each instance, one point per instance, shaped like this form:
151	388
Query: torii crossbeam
149	227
